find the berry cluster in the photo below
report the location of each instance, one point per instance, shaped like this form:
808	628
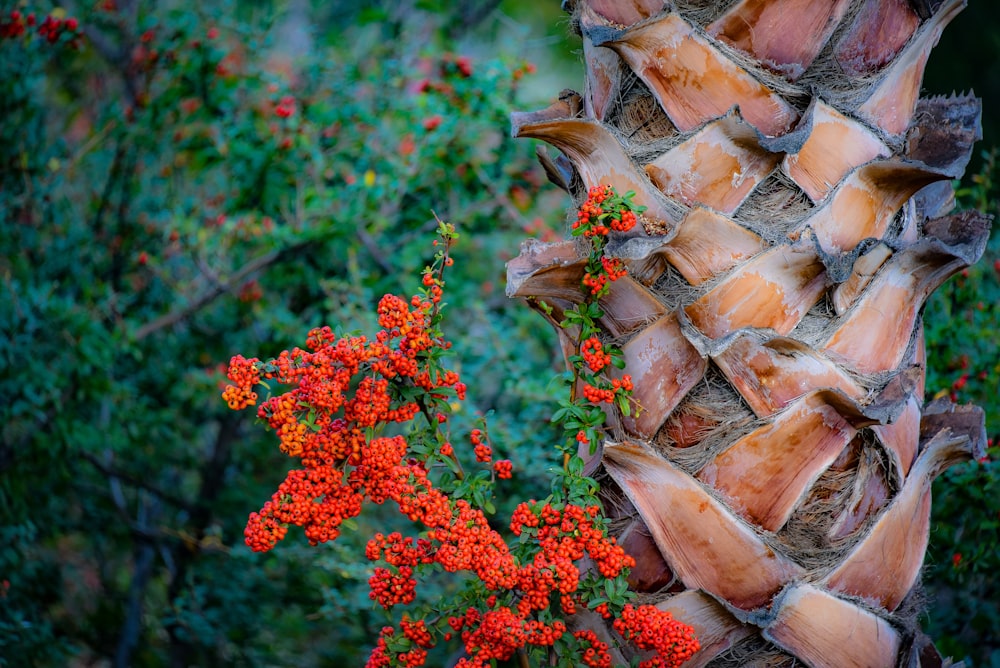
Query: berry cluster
16	24
245	376
594	355
446	78
562	537
608	392
343	391
504	469
653	629
460	65
458	538
285	107
519	73
605	211
595	654
389	653
602	274
484	453
342	388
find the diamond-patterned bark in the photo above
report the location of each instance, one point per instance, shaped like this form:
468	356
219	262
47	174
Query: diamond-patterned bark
775	486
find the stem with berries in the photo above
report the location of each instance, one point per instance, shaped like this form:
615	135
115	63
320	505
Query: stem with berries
369	421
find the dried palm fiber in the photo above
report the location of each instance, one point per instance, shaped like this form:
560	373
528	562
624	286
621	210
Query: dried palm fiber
775	487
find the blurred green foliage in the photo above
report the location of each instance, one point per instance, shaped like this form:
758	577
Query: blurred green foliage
962	322
183	188
159	215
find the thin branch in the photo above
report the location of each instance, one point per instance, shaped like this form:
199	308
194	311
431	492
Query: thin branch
501	197
116	165
144	559
212	473
217	290
91	143
118	474
213	278
377	254
104	47
115	52
128	641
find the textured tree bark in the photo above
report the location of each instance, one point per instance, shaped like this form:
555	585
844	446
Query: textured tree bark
775	487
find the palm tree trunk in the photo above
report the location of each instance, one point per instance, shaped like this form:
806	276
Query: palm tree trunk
775	488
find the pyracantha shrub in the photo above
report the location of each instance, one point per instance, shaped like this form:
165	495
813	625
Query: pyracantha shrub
368	420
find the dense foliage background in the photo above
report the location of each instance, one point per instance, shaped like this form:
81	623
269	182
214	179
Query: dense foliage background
179	184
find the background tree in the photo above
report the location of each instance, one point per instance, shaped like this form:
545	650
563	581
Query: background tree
175	189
